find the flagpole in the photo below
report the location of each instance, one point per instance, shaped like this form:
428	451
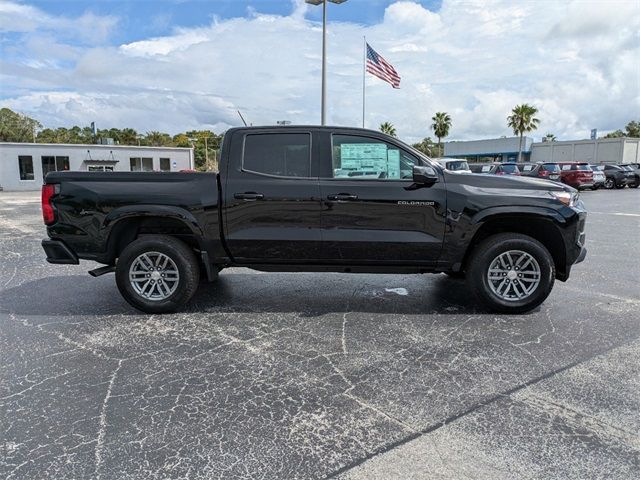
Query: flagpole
364	70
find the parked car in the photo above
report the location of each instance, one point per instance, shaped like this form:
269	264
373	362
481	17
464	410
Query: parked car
278	204
636	174
617	177
549	171
495	168
454	164
576	174
598	176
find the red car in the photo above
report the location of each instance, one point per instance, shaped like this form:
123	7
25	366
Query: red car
576	174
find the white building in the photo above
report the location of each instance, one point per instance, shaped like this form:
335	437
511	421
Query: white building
24	165
602	150
503	149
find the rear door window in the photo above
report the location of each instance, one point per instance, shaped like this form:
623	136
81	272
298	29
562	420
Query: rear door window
278	154
551	167
510	168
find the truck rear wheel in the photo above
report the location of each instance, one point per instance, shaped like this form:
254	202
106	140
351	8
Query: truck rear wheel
511	273
157	274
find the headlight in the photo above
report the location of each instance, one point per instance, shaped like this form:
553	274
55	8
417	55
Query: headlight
567	198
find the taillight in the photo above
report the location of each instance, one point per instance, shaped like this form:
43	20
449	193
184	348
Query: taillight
48	214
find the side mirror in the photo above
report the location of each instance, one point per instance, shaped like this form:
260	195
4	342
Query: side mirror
425	175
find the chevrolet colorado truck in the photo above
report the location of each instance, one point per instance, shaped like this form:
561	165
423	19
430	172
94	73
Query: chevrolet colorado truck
316	199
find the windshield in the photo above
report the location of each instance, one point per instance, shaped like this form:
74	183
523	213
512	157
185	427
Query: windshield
581	166
458	165
510	168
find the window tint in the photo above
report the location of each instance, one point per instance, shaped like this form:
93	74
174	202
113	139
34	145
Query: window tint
582	166
551	167
510	168
165	164
364	158
281	154
25	163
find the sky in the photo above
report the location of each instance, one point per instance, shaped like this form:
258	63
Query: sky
176	65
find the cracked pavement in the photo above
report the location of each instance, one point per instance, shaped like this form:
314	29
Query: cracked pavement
269	375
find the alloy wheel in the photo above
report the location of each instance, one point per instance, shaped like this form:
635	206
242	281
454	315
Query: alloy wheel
514	275
154	276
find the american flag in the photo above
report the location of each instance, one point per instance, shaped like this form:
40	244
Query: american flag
378	66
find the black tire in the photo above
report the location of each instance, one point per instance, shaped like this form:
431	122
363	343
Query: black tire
609	184
634	184
595	187
621	186
488	250
185	260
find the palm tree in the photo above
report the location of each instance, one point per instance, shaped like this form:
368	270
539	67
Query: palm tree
388	128
549	137
440	126
522	120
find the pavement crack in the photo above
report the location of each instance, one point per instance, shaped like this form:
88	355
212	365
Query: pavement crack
102	431
381	412
344	329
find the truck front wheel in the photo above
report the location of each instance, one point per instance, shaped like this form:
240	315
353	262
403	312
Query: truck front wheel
511	273
157	274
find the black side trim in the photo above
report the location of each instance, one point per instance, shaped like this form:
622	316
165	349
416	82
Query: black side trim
57	252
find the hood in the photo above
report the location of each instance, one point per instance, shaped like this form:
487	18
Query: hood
507	182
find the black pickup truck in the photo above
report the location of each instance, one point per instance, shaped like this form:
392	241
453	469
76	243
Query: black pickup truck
316	199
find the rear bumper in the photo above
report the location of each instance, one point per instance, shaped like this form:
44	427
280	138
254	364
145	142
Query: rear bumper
58	253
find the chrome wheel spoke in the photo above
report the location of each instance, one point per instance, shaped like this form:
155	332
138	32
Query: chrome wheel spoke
513	275
154	276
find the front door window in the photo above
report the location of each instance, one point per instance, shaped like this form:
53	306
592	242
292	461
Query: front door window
365	158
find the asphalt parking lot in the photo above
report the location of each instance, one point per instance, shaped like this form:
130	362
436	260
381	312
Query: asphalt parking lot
320	375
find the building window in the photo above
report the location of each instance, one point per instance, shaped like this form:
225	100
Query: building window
281	154
165	165
54	164
141	164
25	162
99	168
62	164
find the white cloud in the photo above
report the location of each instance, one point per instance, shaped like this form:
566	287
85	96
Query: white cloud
89	28
576	61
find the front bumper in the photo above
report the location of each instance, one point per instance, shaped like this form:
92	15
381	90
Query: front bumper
58	252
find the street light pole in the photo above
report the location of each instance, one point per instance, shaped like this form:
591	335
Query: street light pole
323	107
323	114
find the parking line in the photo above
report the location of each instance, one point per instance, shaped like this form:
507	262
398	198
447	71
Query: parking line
617	213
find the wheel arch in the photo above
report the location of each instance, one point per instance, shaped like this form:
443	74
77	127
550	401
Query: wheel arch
542	227
123	226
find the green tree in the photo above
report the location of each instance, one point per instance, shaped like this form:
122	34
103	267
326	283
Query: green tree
16	127
206	145
388	128
128	136
441	126
157	139
633	129
428	147
616	134
522	120
550	137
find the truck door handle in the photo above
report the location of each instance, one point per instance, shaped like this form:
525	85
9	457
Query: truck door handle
344	197
248	196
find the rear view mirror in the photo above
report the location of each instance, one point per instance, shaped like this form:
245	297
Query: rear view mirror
425	175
